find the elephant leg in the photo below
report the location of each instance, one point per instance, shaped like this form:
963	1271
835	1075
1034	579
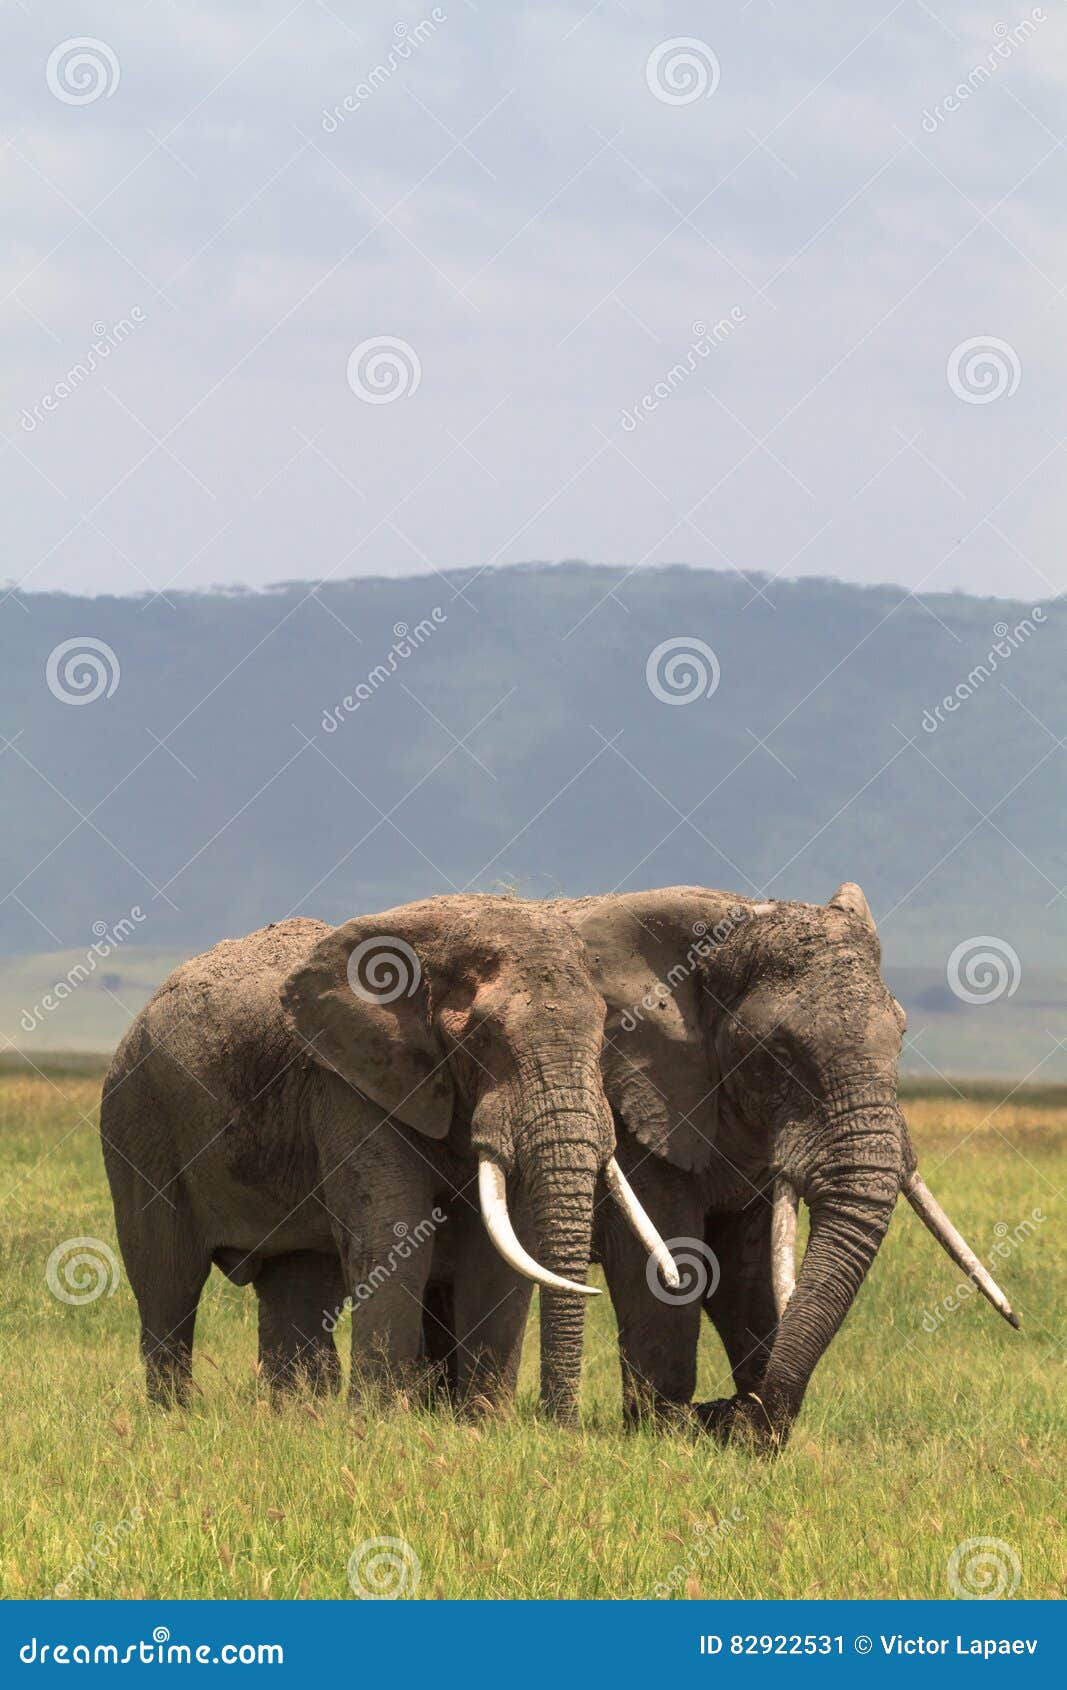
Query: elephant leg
167	1266
300	1296
439	1351
379	1196
659	1329
491	1303
741	1308
387	1311
166	1257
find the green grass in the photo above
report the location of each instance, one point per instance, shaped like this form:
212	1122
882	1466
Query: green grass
910	1442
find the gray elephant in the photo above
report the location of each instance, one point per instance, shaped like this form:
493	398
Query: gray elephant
750	1057
301	1105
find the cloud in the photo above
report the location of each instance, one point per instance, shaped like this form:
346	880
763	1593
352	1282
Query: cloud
506	195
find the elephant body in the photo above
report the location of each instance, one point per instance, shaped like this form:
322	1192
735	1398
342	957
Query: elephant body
219	1136
282	1109
750	1058
745	1040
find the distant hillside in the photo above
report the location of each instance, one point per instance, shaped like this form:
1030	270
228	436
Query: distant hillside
500	727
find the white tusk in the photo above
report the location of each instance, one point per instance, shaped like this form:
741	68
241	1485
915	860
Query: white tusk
933	1216
783	1244
493	1198
626	1197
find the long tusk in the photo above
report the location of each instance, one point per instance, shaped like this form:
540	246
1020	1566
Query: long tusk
492	1196
933	1216
783	1243
626	1197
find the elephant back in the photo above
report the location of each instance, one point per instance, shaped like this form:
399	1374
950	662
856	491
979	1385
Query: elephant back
216	1021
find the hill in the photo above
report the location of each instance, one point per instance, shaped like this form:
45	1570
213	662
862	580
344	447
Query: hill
221	760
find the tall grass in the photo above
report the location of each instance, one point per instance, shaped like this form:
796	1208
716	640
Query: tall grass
912	1441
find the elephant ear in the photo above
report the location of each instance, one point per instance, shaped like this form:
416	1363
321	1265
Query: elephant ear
660	1068
850	897
361	1001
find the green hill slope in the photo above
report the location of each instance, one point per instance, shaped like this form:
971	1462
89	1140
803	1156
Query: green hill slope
345	748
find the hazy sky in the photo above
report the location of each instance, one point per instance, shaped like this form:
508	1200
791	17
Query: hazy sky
549	211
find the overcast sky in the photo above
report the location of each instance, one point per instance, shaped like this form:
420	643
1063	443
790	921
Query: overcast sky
543	214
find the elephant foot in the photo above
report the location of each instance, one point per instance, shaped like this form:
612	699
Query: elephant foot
434	1390
312	1372
299	1385
483	1405
657	1415
399	1391
169	1380
745	1420
170	1394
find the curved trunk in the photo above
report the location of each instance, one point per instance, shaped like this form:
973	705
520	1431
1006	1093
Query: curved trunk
559	1148
851	1194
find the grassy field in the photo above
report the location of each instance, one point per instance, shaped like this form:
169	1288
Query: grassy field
925	1427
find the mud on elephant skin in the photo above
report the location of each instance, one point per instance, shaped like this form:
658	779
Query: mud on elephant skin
750	1057
288	1103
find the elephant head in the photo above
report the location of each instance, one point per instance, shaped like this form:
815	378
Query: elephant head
478	1016
756	1045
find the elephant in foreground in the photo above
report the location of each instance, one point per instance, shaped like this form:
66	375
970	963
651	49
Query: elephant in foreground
301	1106
750	1058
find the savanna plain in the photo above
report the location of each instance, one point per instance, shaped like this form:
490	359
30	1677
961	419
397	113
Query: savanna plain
929	1423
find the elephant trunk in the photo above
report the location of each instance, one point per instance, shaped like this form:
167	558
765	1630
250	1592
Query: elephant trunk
562	1202
559	1149
552	1126
493	1201
850	1188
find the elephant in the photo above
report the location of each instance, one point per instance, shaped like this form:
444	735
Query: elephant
302	1106
750	1059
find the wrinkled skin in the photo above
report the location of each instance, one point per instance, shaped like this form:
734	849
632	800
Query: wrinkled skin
744	1041
264	1115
